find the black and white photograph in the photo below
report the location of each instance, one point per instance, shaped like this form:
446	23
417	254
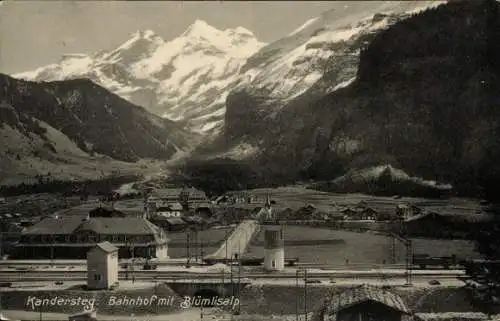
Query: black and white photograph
250	160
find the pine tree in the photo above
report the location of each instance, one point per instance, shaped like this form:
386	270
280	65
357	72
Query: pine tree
483	280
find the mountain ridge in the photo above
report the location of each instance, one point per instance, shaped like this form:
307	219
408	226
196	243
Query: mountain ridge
52	121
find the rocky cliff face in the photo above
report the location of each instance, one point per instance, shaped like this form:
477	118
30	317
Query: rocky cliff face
318	58
424	100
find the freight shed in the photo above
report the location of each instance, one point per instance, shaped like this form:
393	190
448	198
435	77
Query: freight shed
444	225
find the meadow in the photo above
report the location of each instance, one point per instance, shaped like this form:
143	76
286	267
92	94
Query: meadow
210	240
338	247
295	197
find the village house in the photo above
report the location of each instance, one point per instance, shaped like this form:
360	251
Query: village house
192	196
187	197
71	237
172	224
166	195
102	267
429	224
365	214
368	214
106	211
403	212
222	199
204	210
169	210
349	214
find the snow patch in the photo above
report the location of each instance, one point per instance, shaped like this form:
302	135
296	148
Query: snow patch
241	151
376	171
304	26
343	84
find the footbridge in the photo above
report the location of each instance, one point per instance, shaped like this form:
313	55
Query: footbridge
238	241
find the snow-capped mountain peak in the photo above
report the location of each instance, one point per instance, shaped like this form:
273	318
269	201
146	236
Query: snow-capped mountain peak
237	42
200	29
186	78
141	43
189	77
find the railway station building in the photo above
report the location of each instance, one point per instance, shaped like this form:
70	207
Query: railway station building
71	237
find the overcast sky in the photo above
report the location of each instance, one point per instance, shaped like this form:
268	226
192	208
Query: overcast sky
36	33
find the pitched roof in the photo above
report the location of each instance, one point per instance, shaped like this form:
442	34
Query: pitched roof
175	221
195	192
57	226
170	207
432	215
101	225
106	247
203	205
176	206
118	225
167	192
363	293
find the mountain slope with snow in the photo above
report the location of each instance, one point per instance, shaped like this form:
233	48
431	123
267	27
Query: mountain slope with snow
318	58
423	102
186	79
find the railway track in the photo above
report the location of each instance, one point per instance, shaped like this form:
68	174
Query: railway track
13	264
18	276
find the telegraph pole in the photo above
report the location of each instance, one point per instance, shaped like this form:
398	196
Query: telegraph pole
127	265
409	259
52	250
393	250
305	295
239	284
133	270
188	254
225	240
201	250
231	272
196	250
297	296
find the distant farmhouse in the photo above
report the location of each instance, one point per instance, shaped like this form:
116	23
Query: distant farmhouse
169	209
240	198
71	237
406	211
443	224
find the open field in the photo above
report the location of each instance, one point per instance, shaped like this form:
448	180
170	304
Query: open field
325	246
210	239
295	197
